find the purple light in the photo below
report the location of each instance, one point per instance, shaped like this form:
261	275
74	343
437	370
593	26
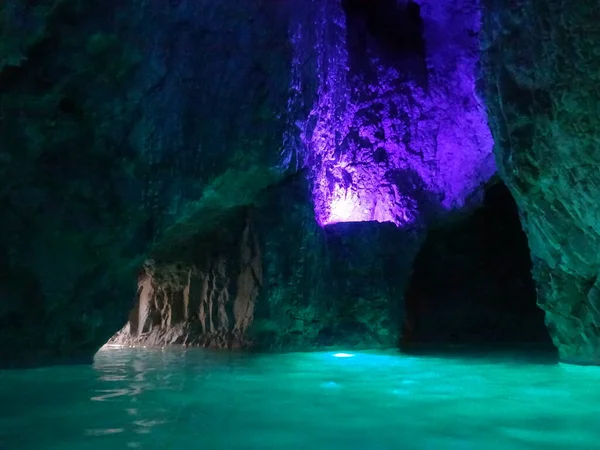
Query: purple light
361	134
353	205
345	206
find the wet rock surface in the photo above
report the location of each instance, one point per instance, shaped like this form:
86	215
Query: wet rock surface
396	131
394	138
541	66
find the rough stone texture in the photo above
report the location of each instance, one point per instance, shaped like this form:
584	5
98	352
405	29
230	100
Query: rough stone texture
278	282
472	284
542	71
338	286
396	132
206	300
124	125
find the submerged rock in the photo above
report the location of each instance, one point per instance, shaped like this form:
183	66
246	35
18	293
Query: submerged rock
542	72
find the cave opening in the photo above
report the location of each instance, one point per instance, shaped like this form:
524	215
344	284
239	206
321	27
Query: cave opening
472	285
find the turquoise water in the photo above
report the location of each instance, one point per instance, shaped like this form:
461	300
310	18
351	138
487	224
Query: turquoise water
190	399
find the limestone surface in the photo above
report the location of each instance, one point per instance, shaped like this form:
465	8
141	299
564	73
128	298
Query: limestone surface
136	131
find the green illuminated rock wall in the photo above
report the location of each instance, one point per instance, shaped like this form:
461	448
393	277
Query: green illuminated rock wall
542	72
122	126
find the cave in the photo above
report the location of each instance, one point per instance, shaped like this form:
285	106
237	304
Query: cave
466	284
335	224
471	283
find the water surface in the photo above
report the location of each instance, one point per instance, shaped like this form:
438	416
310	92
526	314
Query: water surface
192	399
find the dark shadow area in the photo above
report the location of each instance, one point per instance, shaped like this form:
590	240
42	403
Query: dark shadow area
429	204
389	29
471	289
396	27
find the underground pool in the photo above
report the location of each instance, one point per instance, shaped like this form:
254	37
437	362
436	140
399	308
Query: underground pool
135	398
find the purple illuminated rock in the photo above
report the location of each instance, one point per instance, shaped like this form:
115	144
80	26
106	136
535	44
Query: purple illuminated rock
105	162
397	130
394	132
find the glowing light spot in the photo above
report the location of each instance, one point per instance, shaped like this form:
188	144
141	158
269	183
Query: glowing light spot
342	209
343	355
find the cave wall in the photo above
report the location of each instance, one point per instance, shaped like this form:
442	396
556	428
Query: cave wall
125	125
203	297
541	66
68	185
471	282
276	280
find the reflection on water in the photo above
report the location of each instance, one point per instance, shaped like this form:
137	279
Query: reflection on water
154	399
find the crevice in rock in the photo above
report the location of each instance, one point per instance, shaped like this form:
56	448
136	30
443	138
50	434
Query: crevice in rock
472	282
396	27
390	29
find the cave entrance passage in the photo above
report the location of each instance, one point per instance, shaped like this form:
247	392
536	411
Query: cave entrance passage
472	282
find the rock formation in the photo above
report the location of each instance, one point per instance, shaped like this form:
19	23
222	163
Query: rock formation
541	66
396	132
208	301
391	117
